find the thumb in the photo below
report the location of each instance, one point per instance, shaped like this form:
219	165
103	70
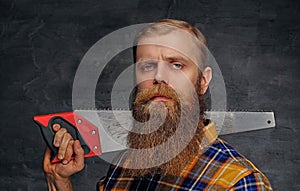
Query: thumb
79	155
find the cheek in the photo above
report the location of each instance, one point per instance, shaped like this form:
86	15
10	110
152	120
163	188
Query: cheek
143	76
144	84
193	76
184	80
185	85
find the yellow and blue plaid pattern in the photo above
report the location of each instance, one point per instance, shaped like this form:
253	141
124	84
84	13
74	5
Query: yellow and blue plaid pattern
219	167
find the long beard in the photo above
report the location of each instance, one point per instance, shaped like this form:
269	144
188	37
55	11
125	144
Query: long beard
157	124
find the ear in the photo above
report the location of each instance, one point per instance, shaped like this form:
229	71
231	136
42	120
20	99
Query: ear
206	77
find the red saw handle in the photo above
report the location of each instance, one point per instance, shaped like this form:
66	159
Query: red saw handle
79	128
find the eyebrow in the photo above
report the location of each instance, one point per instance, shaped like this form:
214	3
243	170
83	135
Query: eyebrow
146	61
168	58
176	58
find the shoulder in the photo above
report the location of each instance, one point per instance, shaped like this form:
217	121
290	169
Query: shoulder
228	168
222	153
223	149
254	181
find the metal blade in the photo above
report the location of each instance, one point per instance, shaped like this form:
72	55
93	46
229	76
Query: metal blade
114	125
111	132
240	121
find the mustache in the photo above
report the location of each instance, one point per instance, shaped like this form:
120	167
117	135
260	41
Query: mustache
162	90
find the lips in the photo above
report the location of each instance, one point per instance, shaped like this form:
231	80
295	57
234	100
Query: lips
160	98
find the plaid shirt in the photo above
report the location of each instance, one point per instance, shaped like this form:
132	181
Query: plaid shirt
219	167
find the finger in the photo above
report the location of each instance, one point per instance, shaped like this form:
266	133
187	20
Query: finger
56	127
79	155
59	136
64	145
69	153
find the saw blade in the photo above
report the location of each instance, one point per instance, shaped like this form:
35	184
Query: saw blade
114	125
229	122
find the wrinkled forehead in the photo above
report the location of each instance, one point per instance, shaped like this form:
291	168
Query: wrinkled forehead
177	39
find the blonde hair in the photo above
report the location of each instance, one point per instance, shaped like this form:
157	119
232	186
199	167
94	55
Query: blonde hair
157	29
184	26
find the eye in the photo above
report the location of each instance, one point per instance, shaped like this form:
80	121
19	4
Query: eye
177	65
147	66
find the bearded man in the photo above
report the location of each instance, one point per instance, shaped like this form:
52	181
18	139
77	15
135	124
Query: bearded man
173	146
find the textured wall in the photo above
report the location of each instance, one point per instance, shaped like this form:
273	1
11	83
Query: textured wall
256	44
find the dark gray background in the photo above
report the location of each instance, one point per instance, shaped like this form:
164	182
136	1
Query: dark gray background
256	44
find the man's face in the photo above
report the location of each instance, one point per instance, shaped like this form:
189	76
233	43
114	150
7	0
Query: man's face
165	64
166	73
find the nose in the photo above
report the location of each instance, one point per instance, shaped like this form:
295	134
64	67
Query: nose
161	74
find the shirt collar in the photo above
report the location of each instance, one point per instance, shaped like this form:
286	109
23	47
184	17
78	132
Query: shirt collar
209	135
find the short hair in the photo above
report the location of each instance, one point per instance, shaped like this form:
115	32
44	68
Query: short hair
156	29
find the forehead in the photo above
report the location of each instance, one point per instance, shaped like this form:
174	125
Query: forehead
157	52
177	42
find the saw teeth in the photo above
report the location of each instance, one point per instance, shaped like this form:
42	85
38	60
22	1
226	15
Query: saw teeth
211	110
85	108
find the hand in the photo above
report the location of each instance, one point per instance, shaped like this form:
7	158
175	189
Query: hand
58	174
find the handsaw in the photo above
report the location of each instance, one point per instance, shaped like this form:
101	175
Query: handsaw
105	131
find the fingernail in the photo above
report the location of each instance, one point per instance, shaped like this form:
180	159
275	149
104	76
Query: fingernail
64	161
60	156
56	126
56	143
